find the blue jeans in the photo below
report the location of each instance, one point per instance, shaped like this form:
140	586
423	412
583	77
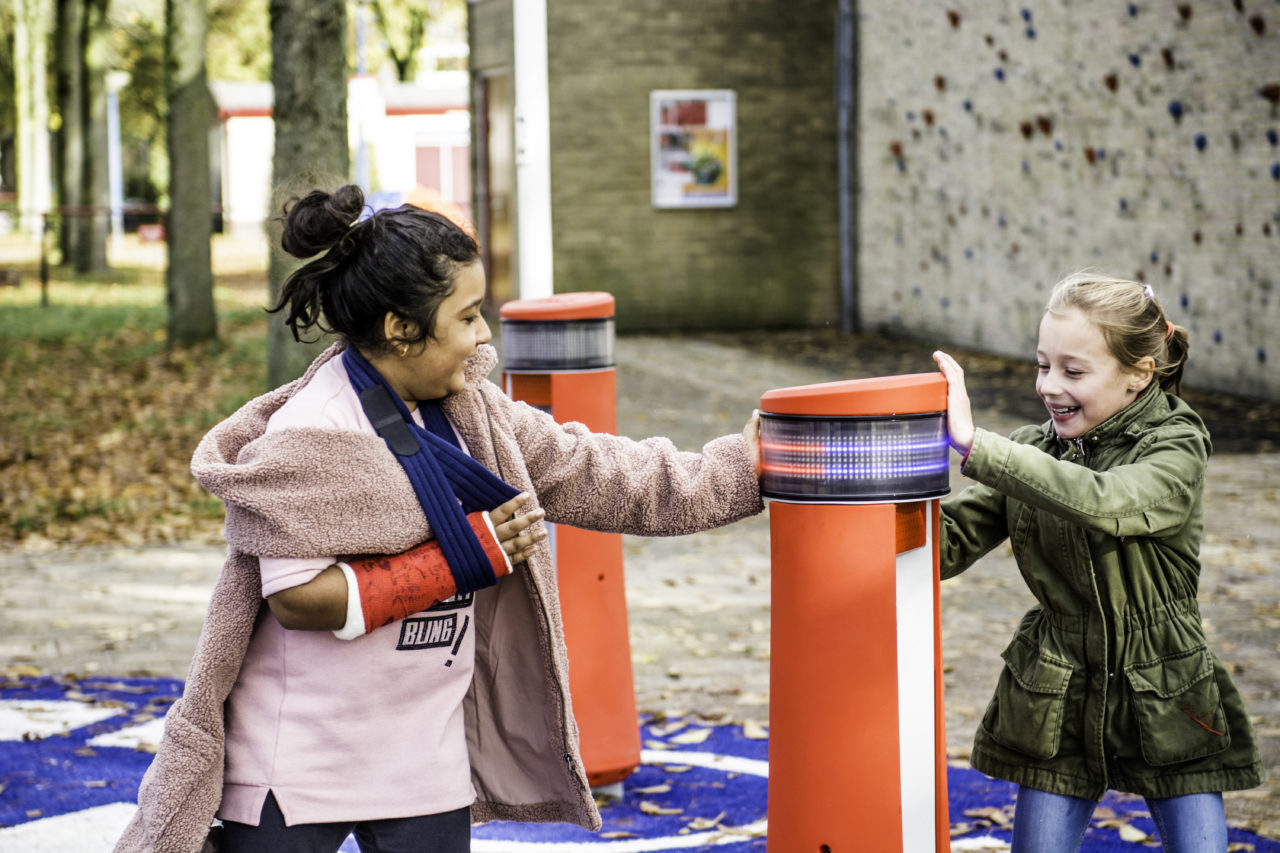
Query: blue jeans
1053	823
441	833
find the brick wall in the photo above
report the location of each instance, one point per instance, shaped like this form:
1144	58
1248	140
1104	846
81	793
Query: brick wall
1004	145
770	260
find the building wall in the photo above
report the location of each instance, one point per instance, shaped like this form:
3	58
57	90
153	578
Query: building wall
771	260
1003	145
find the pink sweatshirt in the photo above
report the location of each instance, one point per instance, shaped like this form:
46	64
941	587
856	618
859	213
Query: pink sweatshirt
347	730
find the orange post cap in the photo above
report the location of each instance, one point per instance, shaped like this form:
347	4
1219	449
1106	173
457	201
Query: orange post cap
579	305
910	394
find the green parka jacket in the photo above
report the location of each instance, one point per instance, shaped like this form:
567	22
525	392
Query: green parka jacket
1108	682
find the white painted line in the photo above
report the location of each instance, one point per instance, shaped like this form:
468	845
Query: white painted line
21	718
94	830
144	734
709	760
734	835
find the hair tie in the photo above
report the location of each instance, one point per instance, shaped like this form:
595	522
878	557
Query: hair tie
1148	292
1168	330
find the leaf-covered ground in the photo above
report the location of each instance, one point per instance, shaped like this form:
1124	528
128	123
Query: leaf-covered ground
100	418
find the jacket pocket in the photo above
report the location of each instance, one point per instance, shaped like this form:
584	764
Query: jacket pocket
1178	708
1026	712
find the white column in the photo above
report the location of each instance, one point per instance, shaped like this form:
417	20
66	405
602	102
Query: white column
534	277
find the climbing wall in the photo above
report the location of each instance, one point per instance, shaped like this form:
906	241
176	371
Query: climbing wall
1004	145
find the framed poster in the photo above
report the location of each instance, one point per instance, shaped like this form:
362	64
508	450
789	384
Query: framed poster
693	147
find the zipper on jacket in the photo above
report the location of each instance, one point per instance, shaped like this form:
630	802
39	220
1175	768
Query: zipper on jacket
1079	442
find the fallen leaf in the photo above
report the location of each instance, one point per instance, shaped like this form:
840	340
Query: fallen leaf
754	731
655	809
691	737
991	813
700	823
618	835
1132	834
652	789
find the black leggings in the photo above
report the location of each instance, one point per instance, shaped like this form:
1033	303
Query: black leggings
449	832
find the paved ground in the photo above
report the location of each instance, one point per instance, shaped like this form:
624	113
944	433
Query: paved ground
699	605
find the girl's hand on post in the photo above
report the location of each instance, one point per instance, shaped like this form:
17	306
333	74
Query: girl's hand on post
513	531
959	412
751	432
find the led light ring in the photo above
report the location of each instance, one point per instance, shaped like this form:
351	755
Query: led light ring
541	346
828	464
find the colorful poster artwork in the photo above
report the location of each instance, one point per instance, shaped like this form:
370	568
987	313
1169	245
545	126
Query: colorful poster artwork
693	148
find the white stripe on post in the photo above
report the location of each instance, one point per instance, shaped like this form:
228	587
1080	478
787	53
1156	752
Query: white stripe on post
916	700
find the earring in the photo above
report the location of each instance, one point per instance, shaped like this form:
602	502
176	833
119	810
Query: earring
404	351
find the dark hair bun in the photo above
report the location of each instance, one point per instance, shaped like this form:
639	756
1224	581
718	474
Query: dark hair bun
315	222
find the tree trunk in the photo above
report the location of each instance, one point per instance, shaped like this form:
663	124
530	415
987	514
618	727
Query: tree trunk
91	243
30	62
69	160
189	228
309	75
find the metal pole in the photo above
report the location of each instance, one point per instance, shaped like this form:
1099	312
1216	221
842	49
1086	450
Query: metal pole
362	68
115	168
534	277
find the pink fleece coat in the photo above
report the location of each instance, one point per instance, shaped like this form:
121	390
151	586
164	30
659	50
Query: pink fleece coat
307	492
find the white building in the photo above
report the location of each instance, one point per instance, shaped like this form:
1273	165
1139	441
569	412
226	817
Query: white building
409	142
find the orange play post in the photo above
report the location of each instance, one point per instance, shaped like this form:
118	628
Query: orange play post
857	743
557	353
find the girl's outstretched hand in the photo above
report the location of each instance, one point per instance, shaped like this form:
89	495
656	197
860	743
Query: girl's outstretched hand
959	413
513	531
751	432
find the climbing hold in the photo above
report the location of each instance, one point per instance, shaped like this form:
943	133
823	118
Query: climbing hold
1202	142
1175	110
